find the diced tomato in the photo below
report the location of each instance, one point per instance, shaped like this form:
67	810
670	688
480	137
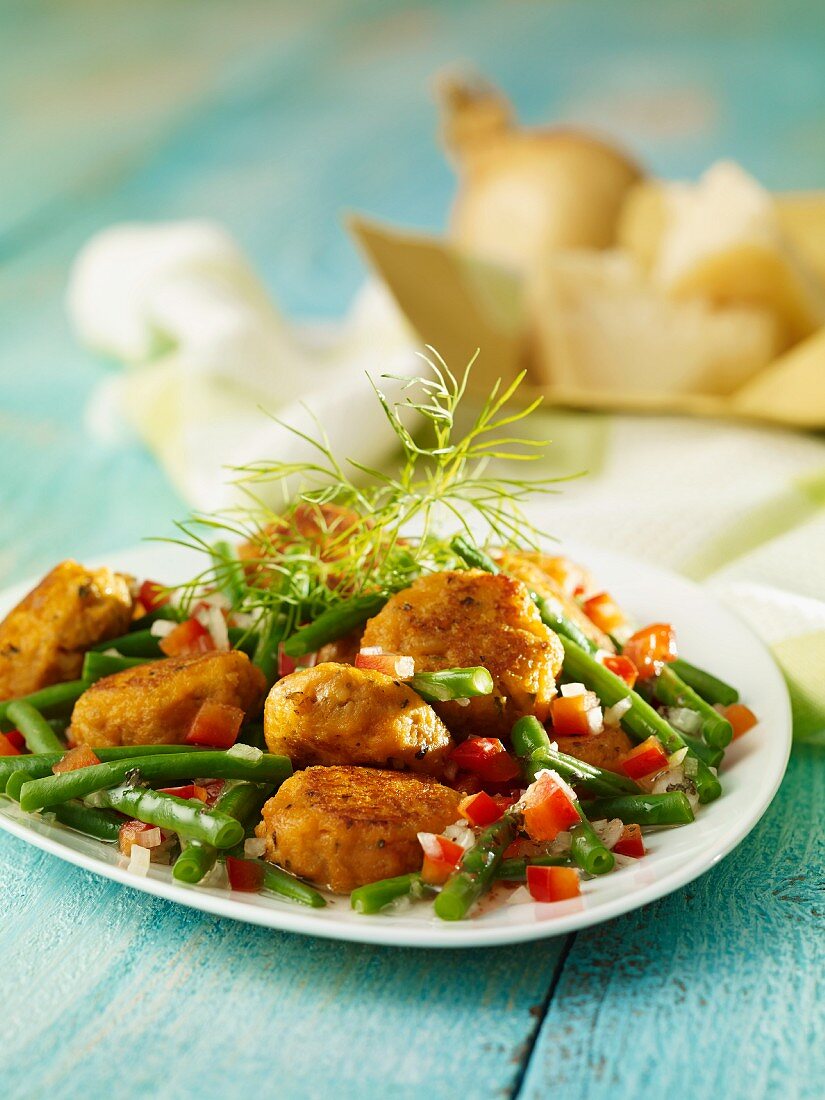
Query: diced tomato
621	665
553	883
215	724
569	716
80	757
630	843
188	639
17	739
650	648
548	808
480	809
605	613
487	758
740	717
7	746
391	664
244	874
191	790
645	759
153	595
286	664
213	788
136	832
441	857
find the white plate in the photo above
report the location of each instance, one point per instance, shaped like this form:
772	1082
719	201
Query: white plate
708	634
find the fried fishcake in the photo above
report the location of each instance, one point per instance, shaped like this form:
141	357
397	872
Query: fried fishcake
541	573
343	827
459	619
43	639
337	714
603	750
155	703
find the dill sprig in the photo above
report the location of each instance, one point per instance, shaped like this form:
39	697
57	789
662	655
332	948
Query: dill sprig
345	529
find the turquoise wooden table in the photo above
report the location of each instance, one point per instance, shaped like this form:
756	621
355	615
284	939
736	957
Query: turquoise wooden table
273	118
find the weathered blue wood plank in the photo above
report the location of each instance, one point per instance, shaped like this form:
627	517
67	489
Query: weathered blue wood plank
714	991
135	997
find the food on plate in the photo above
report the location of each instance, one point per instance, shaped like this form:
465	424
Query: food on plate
43	640
555	729
157	702
526	192
338	714
457	619
341	827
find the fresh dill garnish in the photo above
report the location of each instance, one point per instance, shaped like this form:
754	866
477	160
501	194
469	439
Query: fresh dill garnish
347	530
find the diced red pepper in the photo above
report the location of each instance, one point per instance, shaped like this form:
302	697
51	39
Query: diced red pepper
17	739
214	790
650	648
191	790
630	843
286	664
130	833
740	717
244	874
153	595
605	613
569	716
480	809
7	746
487	758
215	724
441	857
645	759
548	809
621	665
391	664
553	883
188	639
80	757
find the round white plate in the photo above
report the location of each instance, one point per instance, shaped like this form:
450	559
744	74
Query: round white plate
709	634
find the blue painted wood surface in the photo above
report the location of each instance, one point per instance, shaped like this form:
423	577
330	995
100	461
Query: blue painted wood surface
274	118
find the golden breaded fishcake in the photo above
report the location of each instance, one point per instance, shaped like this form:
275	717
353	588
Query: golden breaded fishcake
43	639
344	827
603	750
155	703
337	714
460	619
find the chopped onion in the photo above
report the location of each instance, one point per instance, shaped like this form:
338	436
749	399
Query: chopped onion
461	833
571	690
216	625
245	752
243	620
691	766
371	650
160	628
608	832
462	702
254	847
429	842
139	860
519	896
149	838
613	715
568	790
595	722
684	719
677	758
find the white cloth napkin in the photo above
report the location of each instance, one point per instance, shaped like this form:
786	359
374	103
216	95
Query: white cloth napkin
207	355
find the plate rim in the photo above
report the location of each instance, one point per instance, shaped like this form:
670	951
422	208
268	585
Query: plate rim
384	931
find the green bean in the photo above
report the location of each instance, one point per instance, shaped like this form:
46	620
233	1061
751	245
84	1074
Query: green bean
37	733
452	683
587	849
476	870
641	720
51	698
140	643
102	824
266	648
229	572
472	556
376	896
531	742
712	757
711	688
98	665
189	818
53	789
515	870
278	881
166	613
243	801
333	624
671	690
670	808
40	764
554	617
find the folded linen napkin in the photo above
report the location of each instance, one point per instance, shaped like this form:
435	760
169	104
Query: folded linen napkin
206	350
